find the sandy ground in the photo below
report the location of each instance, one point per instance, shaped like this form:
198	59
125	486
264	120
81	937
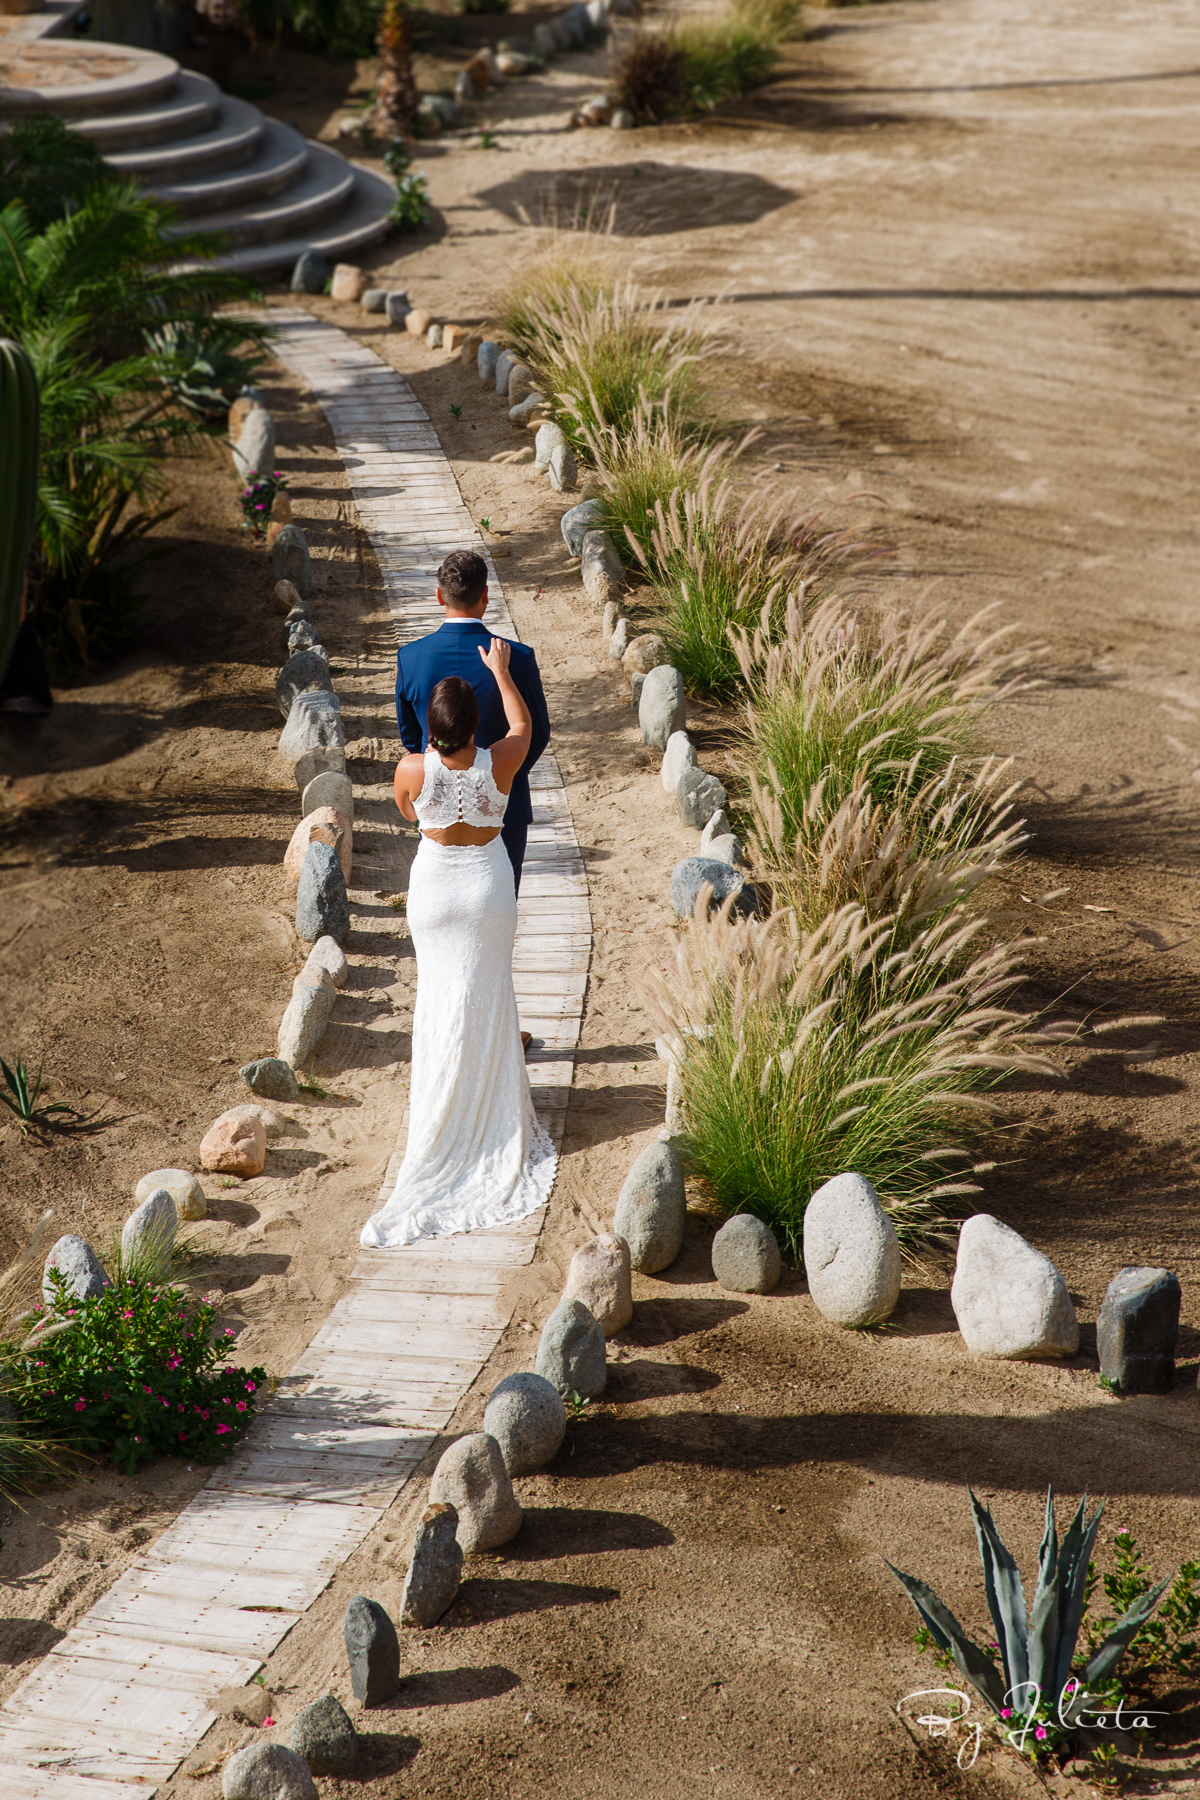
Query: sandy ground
959	244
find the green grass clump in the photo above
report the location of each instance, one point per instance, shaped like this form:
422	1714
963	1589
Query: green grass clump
806	1054
695	66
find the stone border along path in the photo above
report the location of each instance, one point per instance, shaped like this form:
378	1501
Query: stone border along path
113	1710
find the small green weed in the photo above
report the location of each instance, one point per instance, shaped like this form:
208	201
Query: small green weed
487	141
23	1100
314	1086
577	1402
485	524
456	410
398	902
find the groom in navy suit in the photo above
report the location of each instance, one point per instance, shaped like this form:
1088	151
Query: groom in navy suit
454	650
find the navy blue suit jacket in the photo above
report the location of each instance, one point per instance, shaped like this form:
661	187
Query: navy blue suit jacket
454	650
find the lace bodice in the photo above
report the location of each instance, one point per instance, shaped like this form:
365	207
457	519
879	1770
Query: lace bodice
459	796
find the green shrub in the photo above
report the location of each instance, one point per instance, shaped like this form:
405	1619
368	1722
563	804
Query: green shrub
695	66
134	1373
48	168
806	1054
640	465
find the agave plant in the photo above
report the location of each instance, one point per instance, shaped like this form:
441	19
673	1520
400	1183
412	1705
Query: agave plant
1036	1653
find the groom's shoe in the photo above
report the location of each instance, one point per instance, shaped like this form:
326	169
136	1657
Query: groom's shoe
526	1040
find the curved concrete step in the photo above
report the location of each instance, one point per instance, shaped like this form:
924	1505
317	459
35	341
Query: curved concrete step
70	79
326	183
190	108
363	220
280	160
231	140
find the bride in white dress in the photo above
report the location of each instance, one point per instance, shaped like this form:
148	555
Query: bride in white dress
476	1153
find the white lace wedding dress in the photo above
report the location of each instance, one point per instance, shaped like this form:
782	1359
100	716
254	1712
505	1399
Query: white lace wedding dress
476	1154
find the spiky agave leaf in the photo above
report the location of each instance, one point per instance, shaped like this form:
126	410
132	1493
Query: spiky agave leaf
1071	1578
1044	1623
949	1635
1005	1595
1101	1665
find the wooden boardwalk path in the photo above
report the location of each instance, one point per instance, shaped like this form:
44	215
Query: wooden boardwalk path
118	1704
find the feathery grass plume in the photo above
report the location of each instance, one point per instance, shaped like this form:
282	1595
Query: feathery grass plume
885	705
651	458
806	1053
723	563
914	860
571	260
27	1458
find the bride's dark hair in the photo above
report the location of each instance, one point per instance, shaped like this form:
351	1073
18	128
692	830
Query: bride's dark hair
453	715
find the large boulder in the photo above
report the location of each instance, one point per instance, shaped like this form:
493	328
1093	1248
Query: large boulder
321	826
1137	1330
373	1650
254	451
75	1260
571	1352
148	1237
599	1276
651	1211
745	1256
182	1186
267	1772
697	797
307	672
314	737
290	560
234	1144
661	709
526	1416
851	1253
694	873
472	1478
324	1735
304	1024
322	906
587	516
434	1568
1010	1300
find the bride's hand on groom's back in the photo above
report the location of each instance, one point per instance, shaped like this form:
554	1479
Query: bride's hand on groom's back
497	656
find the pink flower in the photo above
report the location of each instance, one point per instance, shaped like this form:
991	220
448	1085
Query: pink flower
204	1414
241	1406
250	1387
1040	1733
81	1406
267	1723
182	1436
1006	1712
146	1390
127	1315
137	1440
229	1331
222	1429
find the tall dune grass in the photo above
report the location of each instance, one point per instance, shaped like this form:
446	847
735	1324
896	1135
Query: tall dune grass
804	1053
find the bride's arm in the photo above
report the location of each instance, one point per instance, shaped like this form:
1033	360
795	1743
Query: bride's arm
410	776
509	752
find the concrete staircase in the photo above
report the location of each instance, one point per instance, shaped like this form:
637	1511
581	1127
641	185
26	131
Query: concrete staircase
270	192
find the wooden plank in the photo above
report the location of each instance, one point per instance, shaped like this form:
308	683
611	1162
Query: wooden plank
401	1306
447	1340
59	1784
131	1612
76	1691
208	1668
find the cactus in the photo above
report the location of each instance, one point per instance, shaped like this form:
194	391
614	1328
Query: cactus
19	426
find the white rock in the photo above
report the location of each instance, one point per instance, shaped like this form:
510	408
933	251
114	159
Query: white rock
851	1253
505	362
329	789
273	1123
254	452
527	1418
148	1236
472	1478
183	1188
1010	1300
328	954
618	642
718	826
267	1772
549	437
680	754
599	1277
651	1211
563	469
600	568
304	1023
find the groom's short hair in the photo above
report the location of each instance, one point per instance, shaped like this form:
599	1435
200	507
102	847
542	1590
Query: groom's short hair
463	577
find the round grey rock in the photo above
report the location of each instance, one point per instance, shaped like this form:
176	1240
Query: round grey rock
694	872
183	1188
486	358
374	300
396	306
322	907
697	797
745	1256
472	1478
651	1211
267	1772
1009	1300
148	1236
373	1649
599	1275
271	1077
434	1568
727	849
324	1736
680	754
305	673
301	635
546	442
329	789
526	1416
328	955
505	363
304	1023
290	560
572	1355
851	1253
562	468
718	826
314	737
661	709
78	1264
310	273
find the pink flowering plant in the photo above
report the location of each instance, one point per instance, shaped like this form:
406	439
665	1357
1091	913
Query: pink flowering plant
257	499
135	1372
